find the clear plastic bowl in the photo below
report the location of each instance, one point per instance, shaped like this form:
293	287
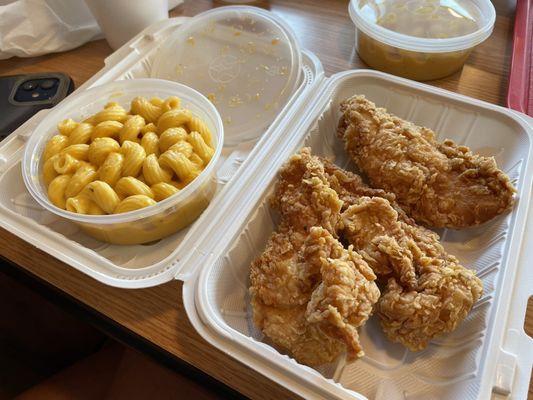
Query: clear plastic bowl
416	57
147	224
246	60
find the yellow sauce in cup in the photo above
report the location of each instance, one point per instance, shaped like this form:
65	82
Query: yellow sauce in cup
409	64
425	19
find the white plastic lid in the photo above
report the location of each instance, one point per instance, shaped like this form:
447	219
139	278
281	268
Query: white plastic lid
485	16
244	59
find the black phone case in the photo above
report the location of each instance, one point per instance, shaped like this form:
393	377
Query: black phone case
13	113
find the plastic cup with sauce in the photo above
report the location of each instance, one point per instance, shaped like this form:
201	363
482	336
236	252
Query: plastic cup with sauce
420	39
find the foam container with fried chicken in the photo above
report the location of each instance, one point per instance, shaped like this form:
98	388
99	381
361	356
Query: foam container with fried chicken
378	251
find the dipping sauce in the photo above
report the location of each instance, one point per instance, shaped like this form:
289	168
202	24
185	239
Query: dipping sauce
419	39
435	19
419	66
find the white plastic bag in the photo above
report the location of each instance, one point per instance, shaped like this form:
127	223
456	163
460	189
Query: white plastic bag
35	27
31	28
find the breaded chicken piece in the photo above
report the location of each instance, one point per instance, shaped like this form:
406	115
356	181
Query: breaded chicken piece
386	238
376	232
439	184
303	195
445	295
318	329
304	199
289	330
279	277
350	187
345	298
296	283
282	282
428	292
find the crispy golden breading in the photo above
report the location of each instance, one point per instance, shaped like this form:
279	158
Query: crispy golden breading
445	295
428	292
344	299
415	306
331	293
303	196
375	231
278	277
350	187
289	330
304	199
309	293
437	184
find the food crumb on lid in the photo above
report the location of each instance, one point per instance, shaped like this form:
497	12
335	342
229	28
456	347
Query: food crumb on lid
235	101
179	69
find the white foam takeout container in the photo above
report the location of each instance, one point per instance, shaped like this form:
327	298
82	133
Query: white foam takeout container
488	355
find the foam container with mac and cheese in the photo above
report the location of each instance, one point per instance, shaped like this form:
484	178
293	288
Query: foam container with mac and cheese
488	356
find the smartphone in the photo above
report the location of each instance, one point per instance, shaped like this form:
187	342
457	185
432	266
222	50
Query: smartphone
21	96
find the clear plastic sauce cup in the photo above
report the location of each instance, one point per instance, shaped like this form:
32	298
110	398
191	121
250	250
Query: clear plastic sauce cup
420	39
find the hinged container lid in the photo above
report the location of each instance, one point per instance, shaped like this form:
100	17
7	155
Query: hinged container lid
133	266
241	58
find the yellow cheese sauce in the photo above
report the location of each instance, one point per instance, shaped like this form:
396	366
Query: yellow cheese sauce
435	19
409	64
157	226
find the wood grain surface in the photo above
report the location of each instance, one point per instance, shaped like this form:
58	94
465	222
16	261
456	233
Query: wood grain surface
157	314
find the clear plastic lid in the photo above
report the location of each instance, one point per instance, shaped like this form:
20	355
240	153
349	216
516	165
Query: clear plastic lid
432	26
244	59
436	19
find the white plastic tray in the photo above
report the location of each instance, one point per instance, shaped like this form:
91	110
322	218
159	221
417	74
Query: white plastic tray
122	266
489	353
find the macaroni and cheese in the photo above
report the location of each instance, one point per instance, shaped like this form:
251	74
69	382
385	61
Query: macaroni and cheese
118	161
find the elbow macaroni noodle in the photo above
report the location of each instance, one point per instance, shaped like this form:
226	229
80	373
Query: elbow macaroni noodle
118	161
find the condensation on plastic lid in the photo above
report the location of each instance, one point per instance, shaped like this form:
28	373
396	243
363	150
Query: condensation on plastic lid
485	18
244	59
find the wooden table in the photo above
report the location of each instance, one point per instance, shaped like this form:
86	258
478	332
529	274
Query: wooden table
156	316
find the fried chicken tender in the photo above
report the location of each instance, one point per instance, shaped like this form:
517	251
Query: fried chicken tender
303	196
437	184
279	276
289	330
304	199
344	299
446	293
428	292
309	293
282	281
374	229
318	323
